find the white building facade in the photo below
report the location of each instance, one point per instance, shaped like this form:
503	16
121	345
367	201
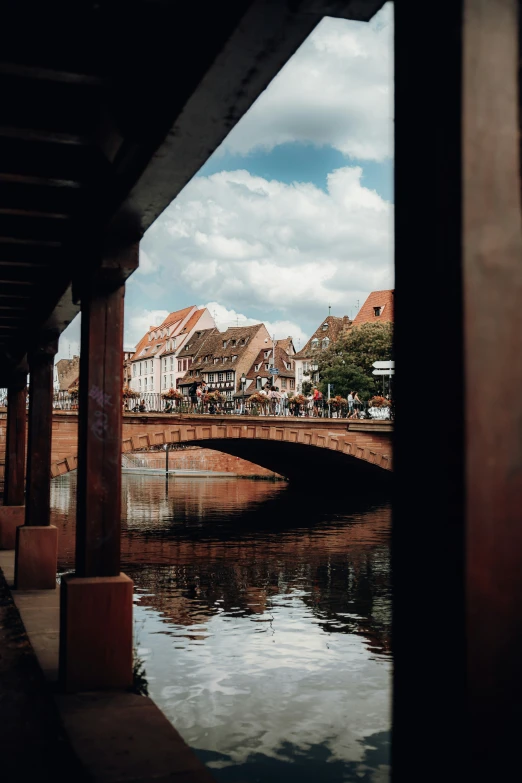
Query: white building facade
155	364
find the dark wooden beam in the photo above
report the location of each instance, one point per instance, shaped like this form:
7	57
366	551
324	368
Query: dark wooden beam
15	443
100	418
38	485
430	722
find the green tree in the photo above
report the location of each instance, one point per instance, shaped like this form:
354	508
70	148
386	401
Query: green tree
348	363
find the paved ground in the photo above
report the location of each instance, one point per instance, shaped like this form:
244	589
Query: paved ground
32	743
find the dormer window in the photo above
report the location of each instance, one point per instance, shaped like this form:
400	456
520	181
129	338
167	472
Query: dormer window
325	327
216	360
224	343
315	343
377	311
326	342
233	342
267	354
225	359
234	358
256	368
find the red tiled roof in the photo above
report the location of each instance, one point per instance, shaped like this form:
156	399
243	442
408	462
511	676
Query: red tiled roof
335	327
172	319
212	348
382	299
281	357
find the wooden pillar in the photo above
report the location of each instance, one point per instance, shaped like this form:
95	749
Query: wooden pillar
41	361
492	264
36	544
457	531
96	602
14	487
13	511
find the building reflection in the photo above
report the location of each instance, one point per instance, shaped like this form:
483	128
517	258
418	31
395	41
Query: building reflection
200	547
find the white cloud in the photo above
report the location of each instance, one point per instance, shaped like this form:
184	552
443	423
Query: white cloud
337	89
261	246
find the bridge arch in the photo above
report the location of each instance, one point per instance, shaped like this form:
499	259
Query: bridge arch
297	449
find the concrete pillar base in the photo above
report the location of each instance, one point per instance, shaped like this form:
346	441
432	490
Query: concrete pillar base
36	557
11	517
95	633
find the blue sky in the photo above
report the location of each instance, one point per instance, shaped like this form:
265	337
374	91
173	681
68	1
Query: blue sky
293	213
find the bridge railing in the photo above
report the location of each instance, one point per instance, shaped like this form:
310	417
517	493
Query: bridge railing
153	402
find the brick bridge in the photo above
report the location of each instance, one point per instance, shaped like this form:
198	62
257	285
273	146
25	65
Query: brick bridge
295	448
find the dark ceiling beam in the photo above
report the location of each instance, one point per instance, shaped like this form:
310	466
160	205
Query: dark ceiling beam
44	135
49	74
28	179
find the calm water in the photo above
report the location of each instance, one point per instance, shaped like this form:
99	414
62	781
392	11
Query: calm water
262	622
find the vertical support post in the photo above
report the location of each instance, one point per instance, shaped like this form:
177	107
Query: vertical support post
458	574
492	244
12	512
429	704
96	602
37	539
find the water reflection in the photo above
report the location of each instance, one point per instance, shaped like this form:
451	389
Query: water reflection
263	620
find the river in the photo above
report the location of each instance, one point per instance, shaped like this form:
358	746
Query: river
262	621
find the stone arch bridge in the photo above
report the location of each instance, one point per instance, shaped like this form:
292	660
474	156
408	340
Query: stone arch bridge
295	448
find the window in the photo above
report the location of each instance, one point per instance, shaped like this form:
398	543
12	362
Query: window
306	367
216	360
292	383
283	383
171	381
180	366
171	364
224	343
259	383
377	311
140	367
185	364
326	342
230	375
267	354
164	381
140	384
325	327
221	377
300	373
164	364
229	394
145	384
191	373
210	377
134	370
315	343
267	367
185	391
234	358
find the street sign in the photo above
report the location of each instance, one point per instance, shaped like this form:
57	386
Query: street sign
387	365
273	371
383	372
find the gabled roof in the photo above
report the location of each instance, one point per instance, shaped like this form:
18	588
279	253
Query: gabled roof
147	348
281	356
186	330
334	328
382	299
213	348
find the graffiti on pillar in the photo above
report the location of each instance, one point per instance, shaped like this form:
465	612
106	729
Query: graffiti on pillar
99	424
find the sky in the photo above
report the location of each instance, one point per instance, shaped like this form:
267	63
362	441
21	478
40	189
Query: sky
293	213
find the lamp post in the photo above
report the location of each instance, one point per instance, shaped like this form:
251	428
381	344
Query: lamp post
166	447
243	384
